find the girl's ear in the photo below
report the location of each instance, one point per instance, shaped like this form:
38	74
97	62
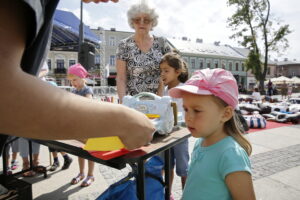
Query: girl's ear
227	113
178	71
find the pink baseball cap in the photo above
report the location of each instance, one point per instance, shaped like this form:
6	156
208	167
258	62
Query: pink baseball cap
217	82
78	70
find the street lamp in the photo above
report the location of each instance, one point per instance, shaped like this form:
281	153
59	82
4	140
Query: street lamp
80	30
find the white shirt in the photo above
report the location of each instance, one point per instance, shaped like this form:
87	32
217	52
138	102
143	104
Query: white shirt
256	96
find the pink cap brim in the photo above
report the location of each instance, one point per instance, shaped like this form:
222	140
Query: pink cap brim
178	91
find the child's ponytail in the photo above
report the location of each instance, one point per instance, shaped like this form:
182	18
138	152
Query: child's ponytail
234	129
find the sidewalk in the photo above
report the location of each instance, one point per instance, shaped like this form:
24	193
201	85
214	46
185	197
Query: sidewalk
275	165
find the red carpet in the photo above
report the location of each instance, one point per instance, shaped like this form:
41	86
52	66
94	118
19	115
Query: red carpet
270	125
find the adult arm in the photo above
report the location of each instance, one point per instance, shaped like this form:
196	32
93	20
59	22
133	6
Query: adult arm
34	109
240	185
121	79
90	96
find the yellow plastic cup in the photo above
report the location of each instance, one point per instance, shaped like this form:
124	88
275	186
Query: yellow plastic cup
103	144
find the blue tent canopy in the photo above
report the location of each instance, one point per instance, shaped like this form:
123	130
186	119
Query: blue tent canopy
66	30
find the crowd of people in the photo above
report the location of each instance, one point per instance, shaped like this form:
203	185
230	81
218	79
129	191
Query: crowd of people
286	91
145	63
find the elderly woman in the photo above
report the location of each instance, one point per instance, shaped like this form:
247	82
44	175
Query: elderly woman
139	55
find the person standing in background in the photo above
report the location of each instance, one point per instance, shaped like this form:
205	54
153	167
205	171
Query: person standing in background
284	90
77	75
290	90
139	55
270	88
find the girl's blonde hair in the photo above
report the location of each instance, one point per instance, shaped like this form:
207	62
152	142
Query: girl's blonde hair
174	60
72	75
233	127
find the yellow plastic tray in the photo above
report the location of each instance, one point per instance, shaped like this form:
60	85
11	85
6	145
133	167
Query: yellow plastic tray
103	144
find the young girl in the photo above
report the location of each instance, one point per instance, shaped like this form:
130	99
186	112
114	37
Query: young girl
174	73
220	167
76	75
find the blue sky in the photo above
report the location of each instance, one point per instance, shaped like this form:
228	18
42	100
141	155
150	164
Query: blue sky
204	19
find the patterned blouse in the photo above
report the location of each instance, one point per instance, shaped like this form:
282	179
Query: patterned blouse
142	68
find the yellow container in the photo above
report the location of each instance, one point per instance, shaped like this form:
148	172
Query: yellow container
152	116
103	144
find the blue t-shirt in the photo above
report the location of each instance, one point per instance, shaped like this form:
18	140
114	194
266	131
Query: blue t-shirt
209	167
83	91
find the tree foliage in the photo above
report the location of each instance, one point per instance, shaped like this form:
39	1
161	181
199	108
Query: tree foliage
256	30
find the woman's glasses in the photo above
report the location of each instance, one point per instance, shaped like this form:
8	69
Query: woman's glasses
140	20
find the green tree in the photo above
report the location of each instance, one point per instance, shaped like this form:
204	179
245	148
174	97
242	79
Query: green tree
257	30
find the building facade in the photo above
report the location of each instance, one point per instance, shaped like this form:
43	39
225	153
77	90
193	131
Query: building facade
199	56
59	62
106	54
288	68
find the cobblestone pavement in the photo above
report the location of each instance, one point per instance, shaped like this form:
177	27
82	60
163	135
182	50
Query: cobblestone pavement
271	162
263	164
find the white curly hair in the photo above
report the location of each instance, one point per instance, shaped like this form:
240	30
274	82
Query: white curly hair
142	8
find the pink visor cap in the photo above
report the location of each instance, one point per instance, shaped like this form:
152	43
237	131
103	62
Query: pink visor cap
78	70
217	82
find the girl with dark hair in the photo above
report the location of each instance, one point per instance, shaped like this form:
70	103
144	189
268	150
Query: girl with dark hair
174	73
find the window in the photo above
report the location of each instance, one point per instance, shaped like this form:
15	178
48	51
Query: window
268	70
186	59
208	61
216	62
49	63
223	64
230	66
243	66
201	63
112	41
97	59
60	64
112	60
236	66
193	63
71	62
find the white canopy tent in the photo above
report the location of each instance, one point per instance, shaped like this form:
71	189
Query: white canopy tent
296	80
281	80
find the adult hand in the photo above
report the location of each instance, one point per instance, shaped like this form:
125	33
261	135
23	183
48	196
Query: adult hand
138	129
99	1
